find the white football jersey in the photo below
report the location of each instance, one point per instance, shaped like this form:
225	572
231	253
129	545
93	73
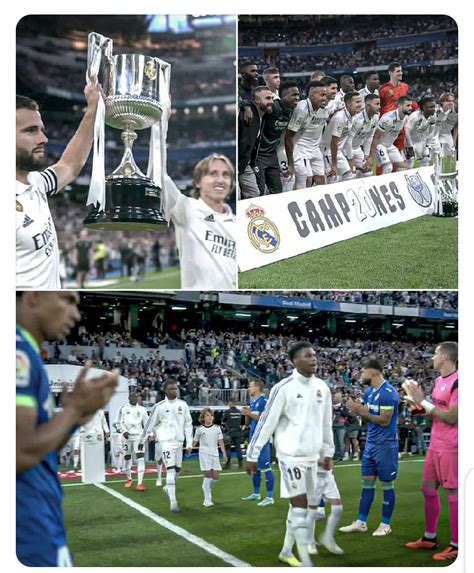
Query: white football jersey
364	92
98	423
340	125
37	250
446	120
419	128
299	413
308	124
362	132
171	422
208	438
132	419
206	241
391	124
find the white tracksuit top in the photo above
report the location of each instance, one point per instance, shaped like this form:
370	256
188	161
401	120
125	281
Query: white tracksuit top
171	422
299	412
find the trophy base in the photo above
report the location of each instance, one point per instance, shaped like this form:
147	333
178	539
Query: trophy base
131	205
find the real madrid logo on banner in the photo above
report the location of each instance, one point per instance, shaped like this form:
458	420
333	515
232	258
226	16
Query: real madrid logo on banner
262	232
418	189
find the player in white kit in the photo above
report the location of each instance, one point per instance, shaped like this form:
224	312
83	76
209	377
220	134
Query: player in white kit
327	491
131	420
388	129
171	422
303	136
209	438
447	124
299	413
357	147
205	226
37	249
421	134
335	136
116	449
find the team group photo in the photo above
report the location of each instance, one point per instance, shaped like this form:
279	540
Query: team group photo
237	306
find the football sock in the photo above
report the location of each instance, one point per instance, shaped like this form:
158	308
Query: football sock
76	460
289	537
333	520
387	168
257	480
159	470
432	511
453	518
171	485
140	469
128	468
311	523
213	482
366	500
300	531
270	482
206	488
388	503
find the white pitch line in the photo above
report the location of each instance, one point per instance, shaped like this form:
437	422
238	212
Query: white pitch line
212	549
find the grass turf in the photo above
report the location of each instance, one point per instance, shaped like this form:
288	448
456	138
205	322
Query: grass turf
167	279
420	254
103	531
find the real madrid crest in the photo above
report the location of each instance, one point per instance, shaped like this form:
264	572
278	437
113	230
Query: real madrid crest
19	206
150	71
262	232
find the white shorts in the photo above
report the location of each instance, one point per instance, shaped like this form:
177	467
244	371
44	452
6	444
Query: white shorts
384	155
342	163
447	144
282	159
209	462
326	487
158	452
172	456
297	478
358	157
76	443
309	166
421	150
130	446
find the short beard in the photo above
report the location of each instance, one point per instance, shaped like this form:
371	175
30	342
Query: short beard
26	162
365	381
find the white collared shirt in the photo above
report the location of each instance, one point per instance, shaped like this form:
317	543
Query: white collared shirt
364	92
391	124
308	125
171	422
37	249
206	241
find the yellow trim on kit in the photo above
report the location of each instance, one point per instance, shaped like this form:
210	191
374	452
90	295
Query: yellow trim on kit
26	401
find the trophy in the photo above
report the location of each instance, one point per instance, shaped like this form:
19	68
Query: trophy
135	96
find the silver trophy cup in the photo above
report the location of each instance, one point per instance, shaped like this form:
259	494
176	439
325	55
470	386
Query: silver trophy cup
133	101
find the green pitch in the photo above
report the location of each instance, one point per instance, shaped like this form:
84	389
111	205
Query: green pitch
418	254
167	279
104	531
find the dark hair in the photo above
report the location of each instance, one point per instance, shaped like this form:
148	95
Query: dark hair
314	84
24	102
370	73
372	362
403	99
246	64
345	76
424	100
296	347
285	86
168	382
349	96
370	97
450	349
328	80
393	66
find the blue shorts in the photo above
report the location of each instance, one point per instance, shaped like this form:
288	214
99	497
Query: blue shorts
381	460
264	459
45	556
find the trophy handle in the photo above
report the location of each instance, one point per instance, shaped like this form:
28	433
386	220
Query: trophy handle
98	47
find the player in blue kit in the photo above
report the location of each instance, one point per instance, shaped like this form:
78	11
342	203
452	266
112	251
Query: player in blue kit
380	459
40	531
258	401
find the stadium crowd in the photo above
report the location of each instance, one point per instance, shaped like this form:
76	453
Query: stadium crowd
331	30
423	299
